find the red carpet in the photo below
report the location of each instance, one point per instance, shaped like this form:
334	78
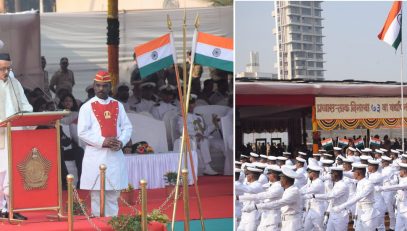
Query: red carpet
216	197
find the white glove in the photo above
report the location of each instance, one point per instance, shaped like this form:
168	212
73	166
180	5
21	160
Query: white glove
248	208
378	188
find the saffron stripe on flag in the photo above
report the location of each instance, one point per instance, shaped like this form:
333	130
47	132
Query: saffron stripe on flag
395	9
213	40
217	63
152	45
153	67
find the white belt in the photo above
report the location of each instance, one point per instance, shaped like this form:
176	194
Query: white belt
289	217
365	205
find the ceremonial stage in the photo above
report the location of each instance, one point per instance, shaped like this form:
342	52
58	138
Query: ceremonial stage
217	204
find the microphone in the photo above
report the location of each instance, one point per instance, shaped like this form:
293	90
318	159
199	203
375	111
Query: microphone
14	91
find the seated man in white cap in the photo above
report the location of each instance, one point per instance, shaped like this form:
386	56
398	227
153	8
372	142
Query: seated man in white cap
146	99
270	219
366	214
167	103
290	204
315	208
13	100
337	196
389	174
198	132
375	177
401	195
249	219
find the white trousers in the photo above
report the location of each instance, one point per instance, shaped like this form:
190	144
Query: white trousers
111	203
338	222
204	155
314	221
401	222
390	200
291	223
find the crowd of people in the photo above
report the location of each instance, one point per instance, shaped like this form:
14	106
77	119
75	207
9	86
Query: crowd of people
327	190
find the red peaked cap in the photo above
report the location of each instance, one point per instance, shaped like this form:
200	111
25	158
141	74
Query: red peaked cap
103	76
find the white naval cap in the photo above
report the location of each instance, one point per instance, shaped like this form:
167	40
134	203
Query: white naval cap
302	153
167	87
238	170
394	151
243	156
373	162
147	84
263	156
193	97
314	168
347	160
340	157
299	159
327	154
260	165
337	168
352	149
316	154
273	168
289	172
282	158
367	150
252	169
324	161
286	153
379	151
383	150
254	154
386	158
357	149
359	165
402	165
321	150
337	148
404	156
238	162
272	157
364	157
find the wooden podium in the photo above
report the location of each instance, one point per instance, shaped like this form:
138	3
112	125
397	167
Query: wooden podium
34	161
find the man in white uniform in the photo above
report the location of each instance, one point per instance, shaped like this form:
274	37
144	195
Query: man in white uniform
366	214
167	103
377	180
104	127
389	178
290	203
337	221
401	188
270	219
13	100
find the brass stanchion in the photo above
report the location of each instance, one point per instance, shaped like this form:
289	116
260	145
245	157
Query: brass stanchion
186	198
69	180
143	186
102	169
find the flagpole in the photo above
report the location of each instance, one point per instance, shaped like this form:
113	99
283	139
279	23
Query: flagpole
402	97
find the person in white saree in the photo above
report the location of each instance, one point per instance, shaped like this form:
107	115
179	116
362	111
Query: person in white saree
104	126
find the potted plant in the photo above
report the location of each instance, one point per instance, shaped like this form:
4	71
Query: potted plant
170	179
133	222
128	195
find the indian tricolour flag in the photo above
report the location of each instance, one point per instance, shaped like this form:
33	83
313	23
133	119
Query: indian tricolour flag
342	142
155	55
359	143
374	142
327	144
391	32
213	51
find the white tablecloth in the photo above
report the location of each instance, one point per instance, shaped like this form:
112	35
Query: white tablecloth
152	168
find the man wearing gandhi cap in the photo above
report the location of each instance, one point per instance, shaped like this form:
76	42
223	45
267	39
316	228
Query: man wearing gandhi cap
13	100
366	214
104	126
290	204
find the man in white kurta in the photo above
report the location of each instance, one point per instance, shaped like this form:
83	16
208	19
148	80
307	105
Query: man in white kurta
104	126
12	101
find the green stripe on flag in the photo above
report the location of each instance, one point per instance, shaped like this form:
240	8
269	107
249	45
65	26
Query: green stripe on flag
397	41
156	66
213	62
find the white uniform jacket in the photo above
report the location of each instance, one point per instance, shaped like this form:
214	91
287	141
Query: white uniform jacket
90	133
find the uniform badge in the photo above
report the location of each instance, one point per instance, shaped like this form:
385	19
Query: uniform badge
34	170
107	114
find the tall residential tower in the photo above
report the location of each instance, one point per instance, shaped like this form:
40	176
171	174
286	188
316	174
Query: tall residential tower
299	39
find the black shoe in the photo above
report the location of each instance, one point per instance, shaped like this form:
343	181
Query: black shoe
3	214
18	216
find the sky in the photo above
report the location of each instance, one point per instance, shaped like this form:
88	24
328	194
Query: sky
352	49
